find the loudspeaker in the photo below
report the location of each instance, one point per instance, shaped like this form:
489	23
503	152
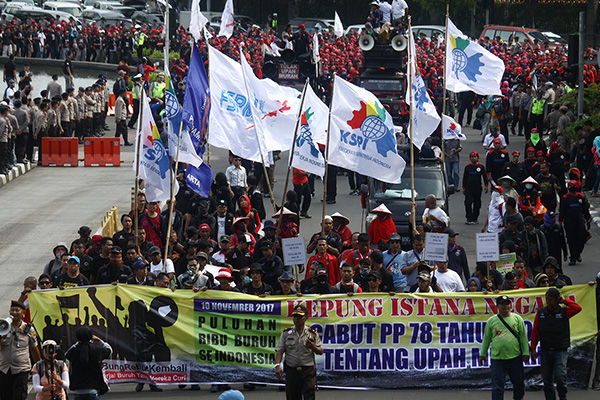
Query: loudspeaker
366	42
269	70
399	43
288	56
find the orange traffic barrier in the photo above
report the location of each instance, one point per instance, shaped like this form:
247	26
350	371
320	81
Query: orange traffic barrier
59	151
102	151
112	101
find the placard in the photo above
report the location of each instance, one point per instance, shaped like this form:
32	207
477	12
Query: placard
506	263
487	247
293	251
436	246
289	71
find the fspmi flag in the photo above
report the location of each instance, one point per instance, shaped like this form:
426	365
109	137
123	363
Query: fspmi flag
362	135
155	167
469	66
425	118
451	129
311	129
227	20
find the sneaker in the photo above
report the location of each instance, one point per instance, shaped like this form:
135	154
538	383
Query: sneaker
330	201
476	222
578	259
128	144
139	387
572	262
468	222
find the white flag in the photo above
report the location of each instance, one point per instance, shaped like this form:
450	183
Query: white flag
311	129
338	28
274	109
155	166
226	28
230	122
425	118
315	44
469	66
197	21
451	129
362	134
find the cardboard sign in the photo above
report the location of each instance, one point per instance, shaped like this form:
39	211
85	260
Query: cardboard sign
487	247
506	263
293	251
436	246
289	71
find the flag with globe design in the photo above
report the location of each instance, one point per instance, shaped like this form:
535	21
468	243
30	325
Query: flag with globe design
451	129
311	130
470	67
362	135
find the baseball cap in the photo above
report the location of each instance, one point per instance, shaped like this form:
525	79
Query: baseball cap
225	238
74	258
374	273
377	256
553	293
204	227
138	265
202	254
425	276
221	203
503	299
154	250
451	232
473	153
395	236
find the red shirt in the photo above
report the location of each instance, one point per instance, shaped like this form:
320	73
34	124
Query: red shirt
381	229
152	229
299	177
359	256
572	309
331	264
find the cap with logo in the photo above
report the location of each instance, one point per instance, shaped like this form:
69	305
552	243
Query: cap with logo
503	299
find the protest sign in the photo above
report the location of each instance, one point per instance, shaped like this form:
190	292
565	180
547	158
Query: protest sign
436	246
506	263
293	251
487	247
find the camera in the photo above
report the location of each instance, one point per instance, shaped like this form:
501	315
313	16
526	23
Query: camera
51	349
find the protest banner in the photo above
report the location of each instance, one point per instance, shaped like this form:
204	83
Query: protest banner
370	340
487	247
506	263
436	246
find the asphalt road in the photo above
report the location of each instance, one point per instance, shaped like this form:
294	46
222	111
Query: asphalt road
48	205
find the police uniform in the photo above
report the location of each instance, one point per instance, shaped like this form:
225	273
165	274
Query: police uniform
300	370
14	361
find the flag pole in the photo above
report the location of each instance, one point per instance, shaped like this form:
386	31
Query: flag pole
262	157
412	61
444	93
173	183
325	177
287	178
137	171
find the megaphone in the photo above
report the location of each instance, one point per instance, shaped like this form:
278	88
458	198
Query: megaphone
5	325
366	42
288	56
399	43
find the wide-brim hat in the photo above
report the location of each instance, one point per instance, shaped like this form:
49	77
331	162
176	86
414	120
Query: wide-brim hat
508	178
285	212
240	219
530	180
381	209
338	215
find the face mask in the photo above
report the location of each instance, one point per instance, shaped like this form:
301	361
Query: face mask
247	279
529	186
505	184
59	254
192	269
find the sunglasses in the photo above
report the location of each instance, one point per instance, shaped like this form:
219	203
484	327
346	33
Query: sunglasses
43	283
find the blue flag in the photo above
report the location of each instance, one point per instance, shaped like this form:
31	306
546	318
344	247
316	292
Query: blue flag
199	179
196	103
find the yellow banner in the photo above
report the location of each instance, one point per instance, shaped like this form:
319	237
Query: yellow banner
165	336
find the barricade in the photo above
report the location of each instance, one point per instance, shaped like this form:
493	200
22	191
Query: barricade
110	223
112	101
102	151
59	151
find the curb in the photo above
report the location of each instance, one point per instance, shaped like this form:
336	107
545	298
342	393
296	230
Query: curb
16	171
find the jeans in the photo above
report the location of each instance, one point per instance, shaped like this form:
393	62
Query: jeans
452	171
86	396
554	365
514	368
597	182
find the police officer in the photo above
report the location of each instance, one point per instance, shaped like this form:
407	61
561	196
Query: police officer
299	343
574	211
15	348
473	176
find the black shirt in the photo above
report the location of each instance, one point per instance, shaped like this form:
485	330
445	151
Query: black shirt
10	68
97	263
112	273
65	280
473	176
264	288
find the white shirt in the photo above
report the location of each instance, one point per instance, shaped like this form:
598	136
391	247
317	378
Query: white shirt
489	139
449	281
386	11
157	269
219	256
399	8
236	177
420	291
496	211
220	227
436	212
